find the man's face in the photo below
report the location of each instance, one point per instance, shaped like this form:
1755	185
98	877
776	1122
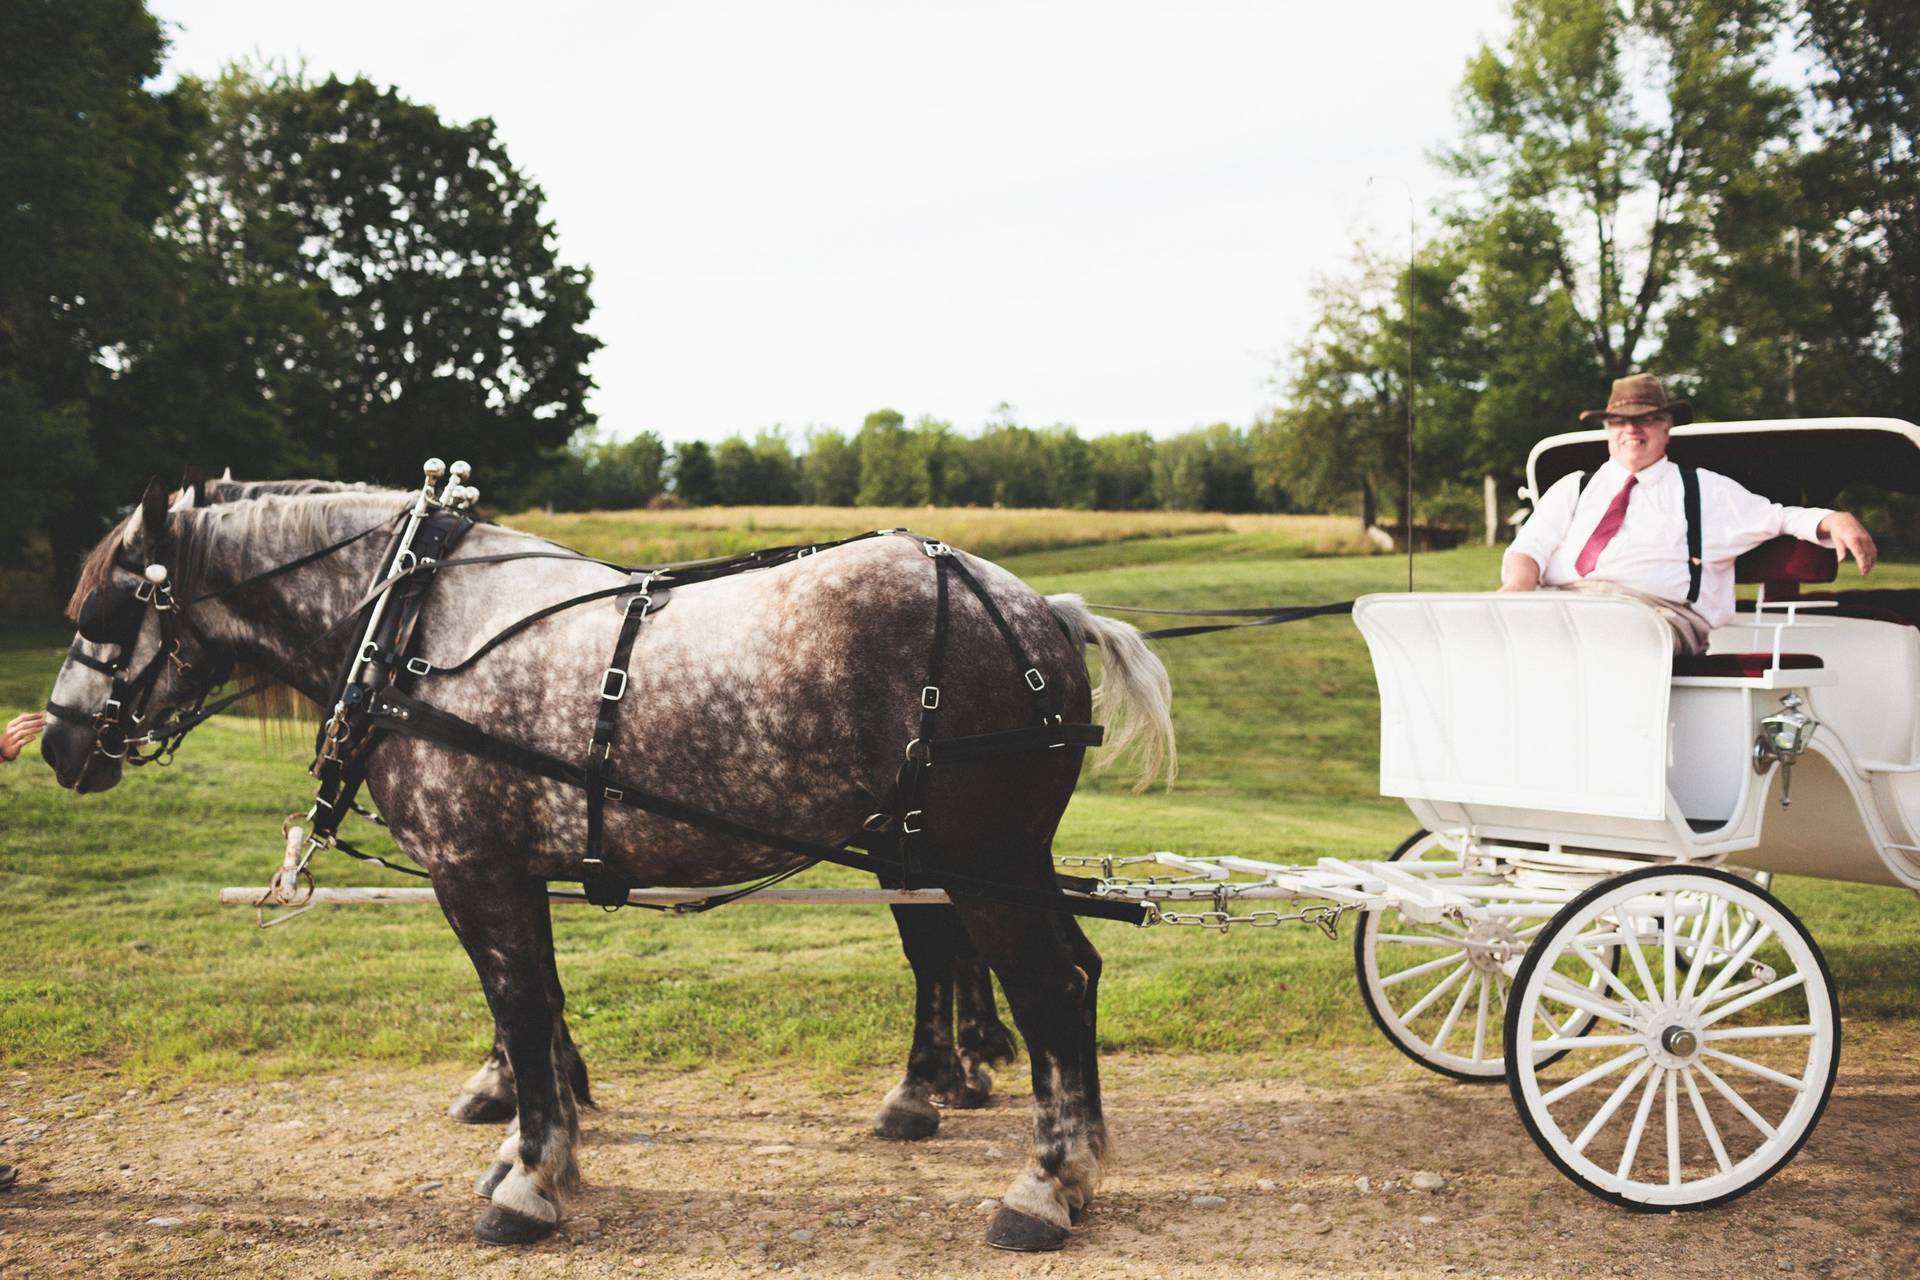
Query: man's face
1638	442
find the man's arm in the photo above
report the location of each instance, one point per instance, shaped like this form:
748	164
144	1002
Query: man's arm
1747	519
1545	529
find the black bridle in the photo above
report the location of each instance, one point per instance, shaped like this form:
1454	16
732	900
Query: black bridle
113	615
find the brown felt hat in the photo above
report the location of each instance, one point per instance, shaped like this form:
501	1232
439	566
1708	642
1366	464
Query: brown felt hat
1639	393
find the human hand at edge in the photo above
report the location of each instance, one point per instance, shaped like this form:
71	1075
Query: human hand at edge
1849	535
21	730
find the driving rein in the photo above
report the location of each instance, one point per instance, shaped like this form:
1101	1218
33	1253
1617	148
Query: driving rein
376	695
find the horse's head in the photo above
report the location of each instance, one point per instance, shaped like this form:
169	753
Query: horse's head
136	658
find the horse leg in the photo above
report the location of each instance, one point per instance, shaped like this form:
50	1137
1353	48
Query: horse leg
508	934
487	1096
931	937
1050	974
983	1039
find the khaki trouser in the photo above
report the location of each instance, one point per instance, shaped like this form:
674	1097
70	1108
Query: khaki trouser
1689	628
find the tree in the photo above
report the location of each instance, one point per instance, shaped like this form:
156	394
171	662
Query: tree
91	158
891	473
1601	142
694	482
830	470
447	323
1123	472
1869	53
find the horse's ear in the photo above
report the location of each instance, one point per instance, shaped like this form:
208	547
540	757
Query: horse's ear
193	484
144	533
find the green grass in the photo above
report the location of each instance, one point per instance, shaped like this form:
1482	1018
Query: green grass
115	950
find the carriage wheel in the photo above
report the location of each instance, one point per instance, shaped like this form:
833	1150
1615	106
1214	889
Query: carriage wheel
1440	991
1700	1082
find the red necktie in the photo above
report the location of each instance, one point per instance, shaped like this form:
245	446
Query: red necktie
1616	515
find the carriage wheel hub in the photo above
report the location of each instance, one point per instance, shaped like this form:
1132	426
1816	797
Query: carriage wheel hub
1491	944
1678	1045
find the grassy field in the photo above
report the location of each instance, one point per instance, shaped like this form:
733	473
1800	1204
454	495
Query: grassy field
115	950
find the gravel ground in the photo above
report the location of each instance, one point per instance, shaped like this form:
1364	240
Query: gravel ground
1220	1172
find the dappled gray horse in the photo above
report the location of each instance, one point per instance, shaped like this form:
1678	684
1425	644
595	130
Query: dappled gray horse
781	698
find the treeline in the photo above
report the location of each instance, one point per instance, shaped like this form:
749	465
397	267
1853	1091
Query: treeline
890	463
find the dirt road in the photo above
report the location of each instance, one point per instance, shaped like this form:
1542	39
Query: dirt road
1220	1173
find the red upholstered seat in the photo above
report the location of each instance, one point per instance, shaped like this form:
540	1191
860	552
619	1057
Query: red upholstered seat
1750	666
1785	559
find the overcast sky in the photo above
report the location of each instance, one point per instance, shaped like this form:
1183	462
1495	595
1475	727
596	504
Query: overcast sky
1104	214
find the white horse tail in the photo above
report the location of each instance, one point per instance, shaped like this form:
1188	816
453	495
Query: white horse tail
1134	694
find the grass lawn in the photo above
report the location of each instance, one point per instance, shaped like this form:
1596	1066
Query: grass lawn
115	949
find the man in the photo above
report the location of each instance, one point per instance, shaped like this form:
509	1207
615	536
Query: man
1625	531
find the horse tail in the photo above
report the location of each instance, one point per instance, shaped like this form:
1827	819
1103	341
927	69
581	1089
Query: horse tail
1134	694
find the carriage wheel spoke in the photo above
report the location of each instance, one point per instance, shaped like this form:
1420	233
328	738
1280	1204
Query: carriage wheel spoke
1759	1033
1612	1104
1630	934
1706	1122
1639	1126
1669	925
1586	1078
1564	990
1673	1128
1406	975
1418	940
1605	972
1453	1014
1740	1104
1480	1020
1754	1068
1421	1005
1767	992
1732	966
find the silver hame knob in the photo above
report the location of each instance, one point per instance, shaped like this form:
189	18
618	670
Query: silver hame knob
434	468
460	471
156	574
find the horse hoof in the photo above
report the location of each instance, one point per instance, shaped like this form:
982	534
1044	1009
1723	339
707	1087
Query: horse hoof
480	1108
898	1124
496	1174
1011	1229
504	1226
973	1094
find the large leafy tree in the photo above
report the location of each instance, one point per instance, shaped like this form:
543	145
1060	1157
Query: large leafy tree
443	319
1603	141
90	157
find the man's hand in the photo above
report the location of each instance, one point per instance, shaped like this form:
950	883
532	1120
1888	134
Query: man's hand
1849	535
1519	572
21	730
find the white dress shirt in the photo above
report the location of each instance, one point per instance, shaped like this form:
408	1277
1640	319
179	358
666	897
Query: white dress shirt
1649	551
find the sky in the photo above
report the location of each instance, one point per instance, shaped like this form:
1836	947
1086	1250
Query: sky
1108	215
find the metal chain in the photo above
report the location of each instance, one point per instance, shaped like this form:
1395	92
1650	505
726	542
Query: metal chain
1326	919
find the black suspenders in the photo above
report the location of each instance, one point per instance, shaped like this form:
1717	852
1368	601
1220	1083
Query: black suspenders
1690	500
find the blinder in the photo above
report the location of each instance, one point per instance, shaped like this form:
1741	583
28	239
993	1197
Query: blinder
112	615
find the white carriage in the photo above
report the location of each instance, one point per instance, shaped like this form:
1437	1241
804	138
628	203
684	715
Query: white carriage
1562	921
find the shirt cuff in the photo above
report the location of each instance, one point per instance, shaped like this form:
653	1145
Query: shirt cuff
1804	524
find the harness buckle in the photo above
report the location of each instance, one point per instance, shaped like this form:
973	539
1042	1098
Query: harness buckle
930	697
935	550
1035	681
418	666
906	821
804	552
609	691
877	822
641	598
613	793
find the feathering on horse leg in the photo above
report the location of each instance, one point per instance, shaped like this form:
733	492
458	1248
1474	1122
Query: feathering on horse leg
984	1040
487	1095
928	935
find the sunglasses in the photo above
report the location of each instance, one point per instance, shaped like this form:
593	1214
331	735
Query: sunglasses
1640	420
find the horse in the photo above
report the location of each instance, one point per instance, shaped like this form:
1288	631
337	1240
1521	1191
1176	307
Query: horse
781	697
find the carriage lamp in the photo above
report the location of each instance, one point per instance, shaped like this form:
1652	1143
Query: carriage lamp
1783	736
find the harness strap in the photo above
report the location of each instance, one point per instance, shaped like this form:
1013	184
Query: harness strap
606	888
396	712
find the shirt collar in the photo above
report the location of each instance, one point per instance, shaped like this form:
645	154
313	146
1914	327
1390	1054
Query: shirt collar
1616	475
